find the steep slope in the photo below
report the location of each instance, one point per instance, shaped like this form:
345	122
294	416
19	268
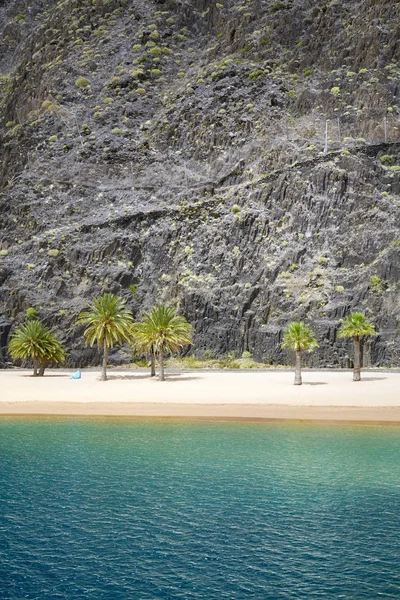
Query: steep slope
242	158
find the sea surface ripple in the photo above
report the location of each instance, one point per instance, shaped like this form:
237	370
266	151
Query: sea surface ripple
144	510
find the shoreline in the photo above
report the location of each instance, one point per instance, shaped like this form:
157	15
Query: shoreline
324	397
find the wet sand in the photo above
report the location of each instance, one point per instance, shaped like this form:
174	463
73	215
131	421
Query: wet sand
324	395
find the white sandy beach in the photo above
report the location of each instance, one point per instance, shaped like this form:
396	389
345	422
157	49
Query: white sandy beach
323	396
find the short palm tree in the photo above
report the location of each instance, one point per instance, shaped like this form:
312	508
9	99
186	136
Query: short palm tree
36	342
109	322
299	336
356	326
162	331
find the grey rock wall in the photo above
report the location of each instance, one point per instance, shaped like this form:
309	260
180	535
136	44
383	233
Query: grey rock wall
199	172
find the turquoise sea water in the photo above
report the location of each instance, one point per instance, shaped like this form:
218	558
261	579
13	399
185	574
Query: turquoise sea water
124	509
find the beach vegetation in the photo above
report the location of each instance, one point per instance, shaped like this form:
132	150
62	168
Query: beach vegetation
109	323
34	341
162	331
357	326
299	337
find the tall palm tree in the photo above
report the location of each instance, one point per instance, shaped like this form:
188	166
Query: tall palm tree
299	336
109	323
356	326
162	331
35	341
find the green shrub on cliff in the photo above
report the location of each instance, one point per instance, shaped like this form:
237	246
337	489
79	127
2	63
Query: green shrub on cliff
82	82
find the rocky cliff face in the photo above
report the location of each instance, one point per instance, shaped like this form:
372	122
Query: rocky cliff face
241	158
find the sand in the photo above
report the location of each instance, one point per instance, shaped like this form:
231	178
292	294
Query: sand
324	395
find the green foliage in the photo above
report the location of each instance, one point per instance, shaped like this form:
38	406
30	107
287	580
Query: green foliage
161	330
386	159
246	355
235	209
256	74
356	325
299	336
53	252
133	288
375	280
279	5
335	91
156	51
53	139
108	321
114	82
31	313
140	91
82	82
307	72
36	342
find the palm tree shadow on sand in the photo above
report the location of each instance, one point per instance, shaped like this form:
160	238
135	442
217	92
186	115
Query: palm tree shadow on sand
175	377
128	377
315	383
372	378
178	378
48	375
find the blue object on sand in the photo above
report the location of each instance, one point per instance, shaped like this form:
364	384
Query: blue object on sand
76	375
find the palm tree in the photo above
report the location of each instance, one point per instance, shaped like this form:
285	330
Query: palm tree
35	341
299	336
162	331
109	323
356	326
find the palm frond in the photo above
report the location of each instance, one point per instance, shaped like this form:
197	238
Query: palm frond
299	336
35	340
108	321
161	329
356	324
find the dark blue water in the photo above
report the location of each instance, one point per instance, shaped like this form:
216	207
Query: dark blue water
154	510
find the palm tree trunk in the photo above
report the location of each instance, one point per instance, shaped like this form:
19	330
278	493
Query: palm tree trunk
161	358
297	370
35	366
41	369
357	365
104	366
153	364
